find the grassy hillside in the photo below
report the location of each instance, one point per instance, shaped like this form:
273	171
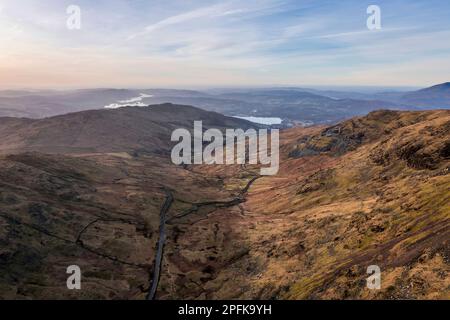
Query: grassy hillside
370	190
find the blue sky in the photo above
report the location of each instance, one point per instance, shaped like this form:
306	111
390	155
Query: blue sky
194	43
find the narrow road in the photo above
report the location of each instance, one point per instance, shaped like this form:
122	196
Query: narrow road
161	242
219	204
162	227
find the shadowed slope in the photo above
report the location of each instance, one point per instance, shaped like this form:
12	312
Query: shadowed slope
122	130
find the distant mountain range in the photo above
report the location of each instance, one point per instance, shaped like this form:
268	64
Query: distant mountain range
290	104
436	96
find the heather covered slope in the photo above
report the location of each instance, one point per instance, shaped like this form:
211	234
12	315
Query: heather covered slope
99	212
376	191
370	190
311	231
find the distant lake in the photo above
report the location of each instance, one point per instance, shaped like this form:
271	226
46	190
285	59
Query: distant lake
262	120
132	102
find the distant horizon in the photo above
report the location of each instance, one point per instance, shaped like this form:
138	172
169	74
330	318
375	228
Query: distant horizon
361	88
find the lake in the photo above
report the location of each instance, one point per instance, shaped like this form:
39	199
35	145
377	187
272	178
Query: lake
263	120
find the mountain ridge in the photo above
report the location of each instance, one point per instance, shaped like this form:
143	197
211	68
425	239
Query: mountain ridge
143	129
291	104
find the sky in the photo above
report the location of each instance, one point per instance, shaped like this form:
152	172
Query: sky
196	43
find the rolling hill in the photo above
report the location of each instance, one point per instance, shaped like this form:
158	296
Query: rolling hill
434	97
131	129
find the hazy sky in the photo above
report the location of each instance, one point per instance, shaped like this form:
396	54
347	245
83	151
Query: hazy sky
188	43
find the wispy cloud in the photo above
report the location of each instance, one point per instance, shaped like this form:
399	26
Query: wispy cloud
209	12
178	42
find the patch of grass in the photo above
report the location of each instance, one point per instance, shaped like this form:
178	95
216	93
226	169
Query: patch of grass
303	288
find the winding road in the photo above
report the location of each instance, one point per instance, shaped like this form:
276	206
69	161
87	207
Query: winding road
161	242
162	227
